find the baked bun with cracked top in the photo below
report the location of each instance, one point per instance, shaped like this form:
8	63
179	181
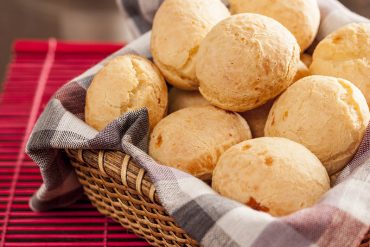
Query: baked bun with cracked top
345	53
192	139
246	60
327	115
125	83
178	28
271	174
300	17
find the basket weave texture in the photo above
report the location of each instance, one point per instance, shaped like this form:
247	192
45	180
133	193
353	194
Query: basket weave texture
120	189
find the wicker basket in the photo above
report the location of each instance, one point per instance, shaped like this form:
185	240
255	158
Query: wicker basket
120	189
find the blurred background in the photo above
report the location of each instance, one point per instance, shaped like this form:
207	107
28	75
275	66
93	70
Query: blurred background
82	20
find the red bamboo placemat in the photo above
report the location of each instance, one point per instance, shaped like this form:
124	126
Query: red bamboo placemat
37	69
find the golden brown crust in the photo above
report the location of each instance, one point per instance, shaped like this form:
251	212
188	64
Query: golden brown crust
246	60
345	53
124	84
327	115
178	28
300	17
193	138
271	174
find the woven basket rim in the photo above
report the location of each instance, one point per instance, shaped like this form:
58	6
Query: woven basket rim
122	190
130	174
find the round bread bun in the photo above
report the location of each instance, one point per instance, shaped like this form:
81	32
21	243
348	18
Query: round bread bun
306	59
124	84
257	118
345	53
328	115
179	99
246	60
300	17
302	71
178	28
193	138
271	174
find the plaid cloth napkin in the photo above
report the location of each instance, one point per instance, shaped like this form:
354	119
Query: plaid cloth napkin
341	218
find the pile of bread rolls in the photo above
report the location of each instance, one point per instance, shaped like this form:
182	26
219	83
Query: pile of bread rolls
247	108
